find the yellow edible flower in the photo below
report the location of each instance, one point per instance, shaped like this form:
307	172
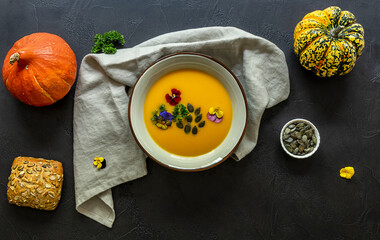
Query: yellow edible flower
216	110
347	172
99	162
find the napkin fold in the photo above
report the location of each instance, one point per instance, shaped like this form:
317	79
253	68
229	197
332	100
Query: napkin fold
101	126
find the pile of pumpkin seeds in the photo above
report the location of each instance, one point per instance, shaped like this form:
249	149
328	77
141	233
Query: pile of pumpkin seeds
299	138
189	120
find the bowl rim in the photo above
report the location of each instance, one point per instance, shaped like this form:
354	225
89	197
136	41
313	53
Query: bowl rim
316	134
200	168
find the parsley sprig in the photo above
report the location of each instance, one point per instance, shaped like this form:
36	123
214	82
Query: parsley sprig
180	112
107	42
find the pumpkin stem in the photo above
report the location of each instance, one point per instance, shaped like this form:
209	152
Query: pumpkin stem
14	58
335	31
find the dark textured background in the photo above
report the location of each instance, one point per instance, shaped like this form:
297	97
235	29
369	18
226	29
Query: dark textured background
265	196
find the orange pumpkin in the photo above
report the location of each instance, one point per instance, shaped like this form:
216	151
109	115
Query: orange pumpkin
39	69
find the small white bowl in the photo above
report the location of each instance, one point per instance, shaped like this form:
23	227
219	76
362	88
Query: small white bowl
297	120
183	61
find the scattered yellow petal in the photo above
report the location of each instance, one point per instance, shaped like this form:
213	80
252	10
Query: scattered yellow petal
101	159
99	166
347	172
219	114
211	111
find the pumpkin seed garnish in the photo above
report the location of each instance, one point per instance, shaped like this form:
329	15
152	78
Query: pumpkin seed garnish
194	130
179	124
187	128
197	111
299	138
314	139
198	118
295	151
51	194
31	164
202	124
289	148
289	140
190	107
189	118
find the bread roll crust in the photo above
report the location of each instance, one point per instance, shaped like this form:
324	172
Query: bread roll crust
35	183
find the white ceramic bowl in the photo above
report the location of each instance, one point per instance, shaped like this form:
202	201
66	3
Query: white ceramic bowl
316	135
193	61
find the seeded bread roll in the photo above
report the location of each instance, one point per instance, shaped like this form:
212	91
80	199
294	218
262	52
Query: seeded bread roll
35	183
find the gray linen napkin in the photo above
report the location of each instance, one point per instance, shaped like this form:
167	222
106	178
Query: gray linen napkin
101	126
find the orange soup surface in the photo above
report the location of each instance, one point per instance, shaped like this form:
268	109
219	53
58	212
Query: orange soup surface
200	89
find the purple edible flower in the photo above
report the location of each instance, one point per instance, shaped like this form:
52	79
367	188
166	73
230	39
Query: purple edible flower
211	117
218	120
215	114
214	118
166	115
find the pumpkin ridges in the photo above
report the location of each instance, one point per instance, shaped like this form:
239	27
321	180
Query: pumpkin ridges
28	88
330	12
15	83
64	81
349	25
349	57
306	24
309	29
323	59
306	39
334	68
356	32
45	93
45	61
318	20
346	19
319	16
332	61
59	83
57	90
353	28
345	24
343	55
340	17
346	36
327	14
307	46
314	53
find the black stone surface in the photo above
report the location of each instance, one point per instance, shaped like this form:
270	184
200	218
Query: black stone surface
267	195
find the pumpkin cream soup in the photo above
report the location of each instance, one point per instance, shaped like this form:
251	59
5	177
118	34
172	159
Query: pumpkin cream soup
188	112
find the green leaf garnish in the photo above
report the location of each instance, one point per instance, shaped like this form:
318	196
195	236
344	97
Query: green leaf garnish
162	108
179	113
107	42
